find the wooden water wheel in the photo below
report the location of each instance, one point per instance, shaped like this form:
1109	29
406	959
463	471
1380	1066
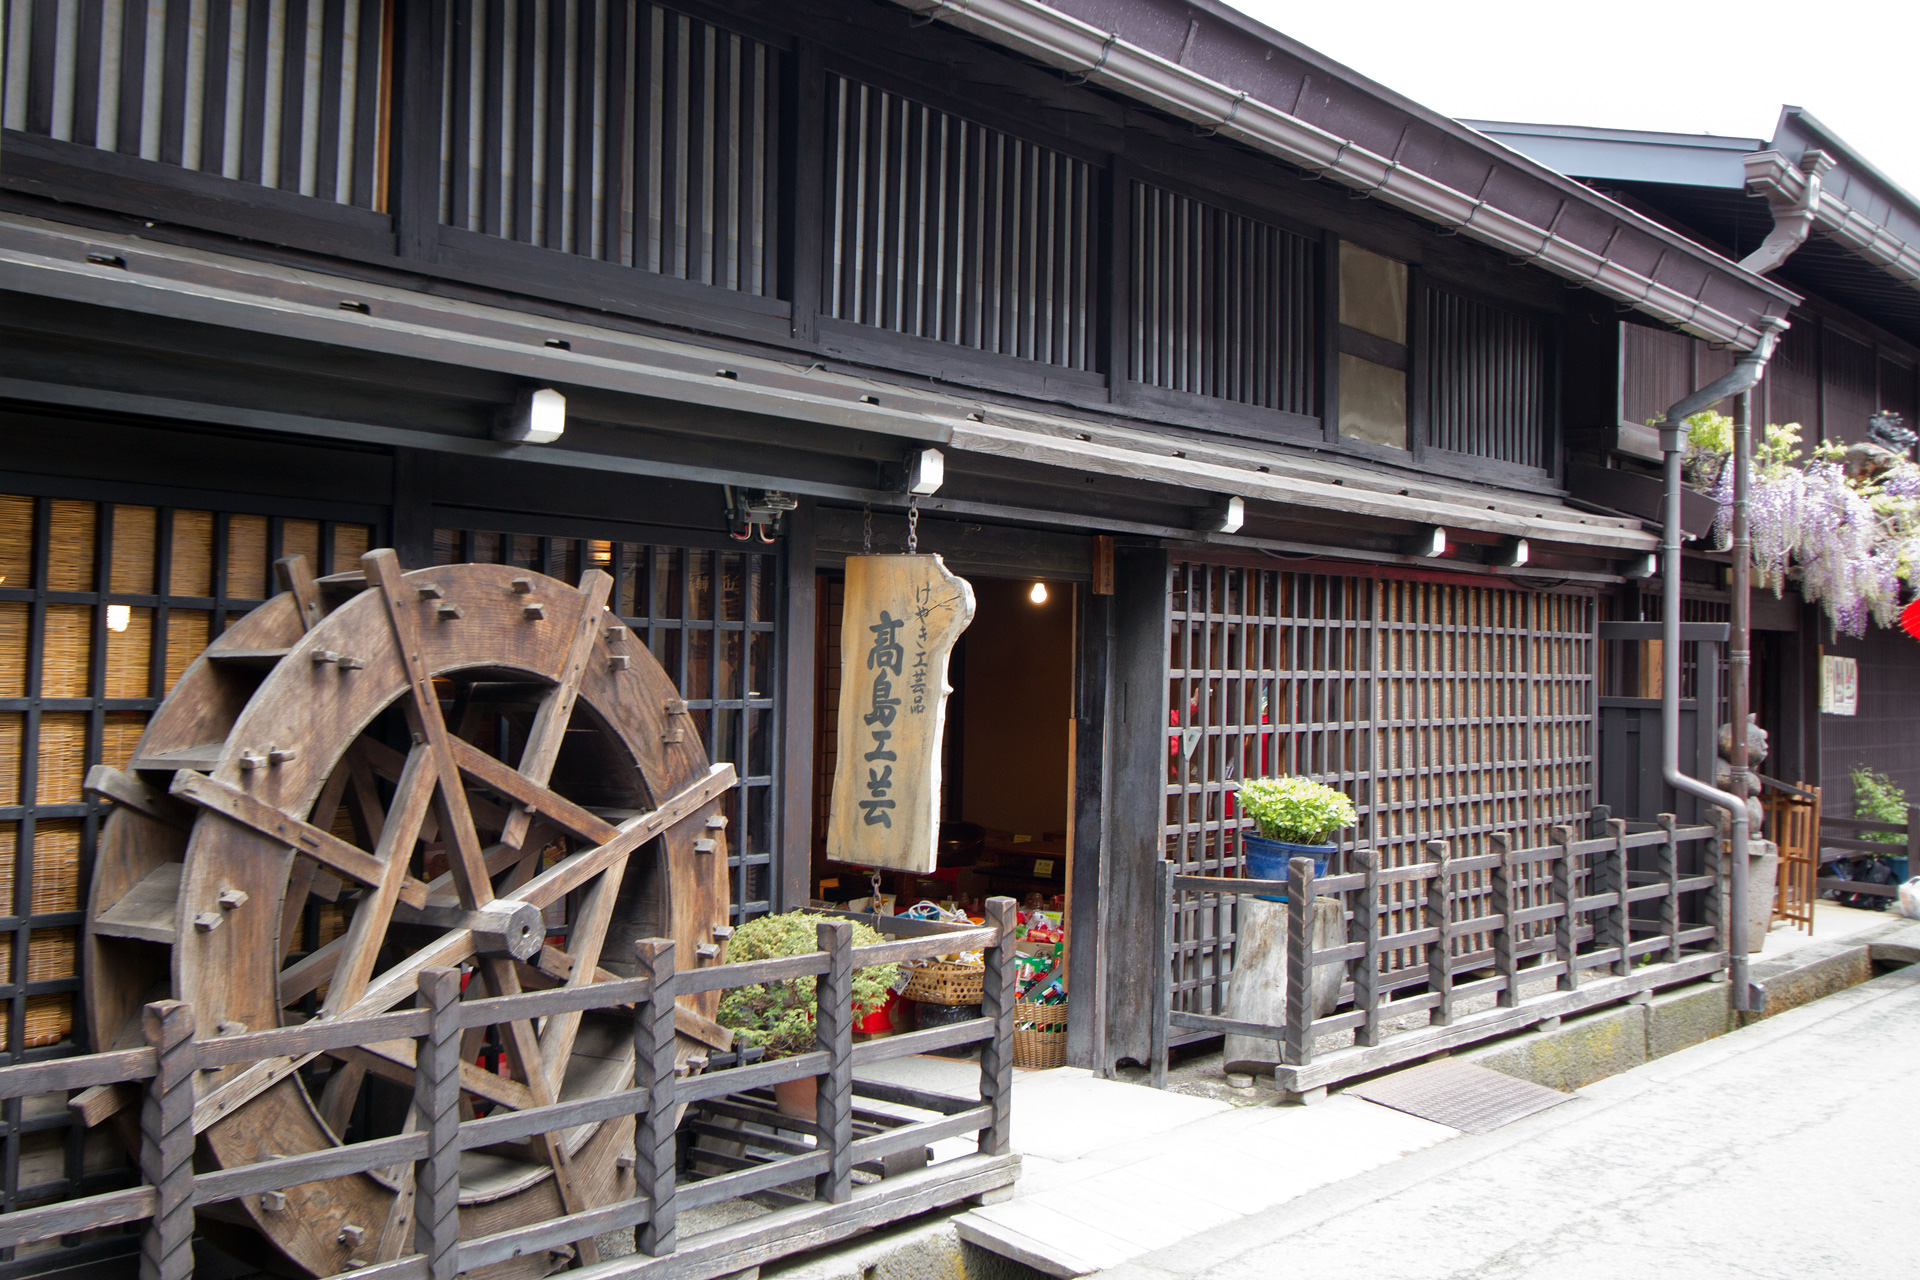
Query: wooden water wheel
375	773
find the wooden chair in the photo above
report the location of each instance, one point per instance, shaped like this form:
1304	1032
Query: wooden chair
1793	822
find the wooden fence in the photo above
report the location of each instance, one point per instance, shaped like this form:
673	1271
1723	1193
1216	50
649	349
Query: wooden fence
1485	945
1843	838
831	1150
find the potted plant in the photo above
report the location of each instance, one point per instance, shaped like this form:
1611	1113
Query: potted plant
778	1017
1297	817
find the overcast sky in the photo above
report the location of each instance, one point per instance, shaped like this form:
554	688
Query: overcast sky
1678	66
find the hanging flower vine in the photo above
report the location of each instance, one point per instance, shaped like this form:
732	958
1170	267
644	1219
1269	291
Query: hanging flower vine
1843	522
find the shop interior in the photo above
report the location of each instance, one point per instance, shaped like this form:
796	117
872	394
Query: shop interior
1006	781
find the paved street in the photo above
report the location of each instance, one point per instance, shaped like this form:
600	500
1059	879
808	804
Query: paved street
1789	1149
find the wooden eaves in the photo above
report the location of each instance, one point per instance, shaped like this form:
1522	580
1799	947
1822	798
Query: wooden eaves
165	283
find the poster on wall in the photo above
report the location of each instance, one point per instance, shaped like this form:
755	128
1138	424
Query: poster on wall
1839	685
903	616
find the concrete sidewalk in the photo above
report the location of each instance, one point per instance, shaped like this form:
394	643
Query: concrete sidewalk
1116	1174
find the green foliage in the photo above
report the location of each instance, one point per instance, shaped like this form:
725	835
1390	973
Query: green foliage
1296	810
778	1016
1877	798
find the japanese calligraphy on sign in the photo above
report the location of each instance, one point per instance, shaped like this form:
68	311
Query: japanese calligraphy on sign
903	615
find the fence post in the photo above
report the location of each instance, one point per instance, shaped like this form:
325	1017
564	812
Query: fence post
1670	872
1619	933
1162	973
1296	1049
1500	882
1366	974
1715	910
833	1036
436	1097
1440	920
1563	947
654	1152
996	1002
166	1141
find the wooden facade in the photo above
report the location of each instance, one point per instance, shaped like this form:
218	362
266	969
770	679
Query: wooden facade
270	272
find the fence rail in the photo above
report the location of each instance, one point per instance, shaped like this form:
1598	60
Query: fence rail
1599	919
1846	838
166	1069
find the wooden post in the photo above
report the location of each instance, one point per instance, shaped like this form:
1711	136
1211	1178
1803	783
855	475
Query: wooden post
996	1002
1440	920
166	1141
436	1097
653	1132
1366	975
1669	858
1505	938
1563	948
833	1036
1296	1048
1162	971
1611	929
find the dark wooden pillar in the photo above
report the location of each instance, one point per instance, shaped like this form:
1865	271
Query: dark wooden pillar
1136	784
793	842
1092	693
412	531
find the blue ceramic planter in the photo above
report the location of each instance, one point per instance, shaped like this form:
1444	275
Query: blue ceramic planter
1268	859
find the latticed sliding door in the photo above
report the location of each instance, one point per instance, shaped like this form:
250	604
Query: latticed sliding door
1445	709
711	617
102	606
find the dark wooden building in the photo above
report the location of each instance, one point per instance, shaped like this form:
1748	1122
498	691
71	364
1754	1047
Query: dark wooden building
1853	352
1267	374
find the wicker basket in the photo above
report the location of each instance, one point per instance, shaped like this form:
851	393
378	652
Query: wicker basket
1039	1035
937	982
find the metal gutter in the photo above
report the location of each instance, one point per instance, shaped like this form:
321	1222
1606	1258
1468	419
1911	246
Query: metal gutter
1793	215
1104	58
1771	174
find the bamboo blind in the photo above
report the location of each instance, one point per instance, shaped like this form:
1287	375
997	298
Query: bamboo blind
102	607
1445	711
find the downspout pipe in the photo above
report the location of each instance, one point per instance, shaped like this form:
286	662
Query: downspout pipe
1793	218
1747	371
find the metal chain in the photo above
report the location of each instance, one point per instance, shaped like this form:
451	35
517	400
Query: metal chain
913	523
866	541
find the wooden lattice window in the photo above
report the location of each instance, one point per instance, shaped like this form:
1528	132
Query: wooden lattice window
102	606
1445	710
289	94
620	131
1489	382
1223	305
711	618
942	228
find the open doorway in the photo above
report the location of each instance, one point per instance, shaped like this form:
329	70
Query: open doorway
1006	761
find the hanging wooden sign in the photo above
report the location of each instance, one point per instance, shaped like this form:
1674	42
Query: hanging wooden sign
903	615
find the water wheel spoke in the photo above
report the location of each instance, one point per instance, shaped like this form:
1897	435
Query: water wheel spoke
424	719
375	912
584	943
394	1060
366	796
576	870
556	709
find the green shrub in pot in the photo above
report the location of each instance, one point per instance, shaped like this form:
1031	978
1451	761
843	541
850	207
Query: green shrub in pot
778	1016
1296	810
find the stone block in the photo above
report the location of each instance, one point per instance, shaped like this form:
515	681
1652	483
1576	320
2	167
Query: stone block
1681	1019
1805	975
1581	1051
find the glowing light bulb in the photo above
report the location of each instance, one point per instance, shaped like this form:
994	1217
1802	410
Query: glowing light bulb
1039	593
118	616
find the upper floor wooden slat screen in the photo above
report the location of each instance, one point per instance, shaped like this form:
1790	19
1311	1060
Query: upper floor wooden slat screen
946	229
615	130
1488	386
1223	305
290	94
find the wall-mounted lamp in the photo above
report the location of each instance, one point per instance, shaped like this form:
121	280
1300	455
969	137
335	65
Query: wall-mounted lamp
1515	553
535	417
1039	593
926	472
1428	544
1223	515
1644	567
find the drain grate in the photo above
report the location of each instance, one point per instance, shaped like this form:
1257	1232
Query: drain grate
1459	1095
